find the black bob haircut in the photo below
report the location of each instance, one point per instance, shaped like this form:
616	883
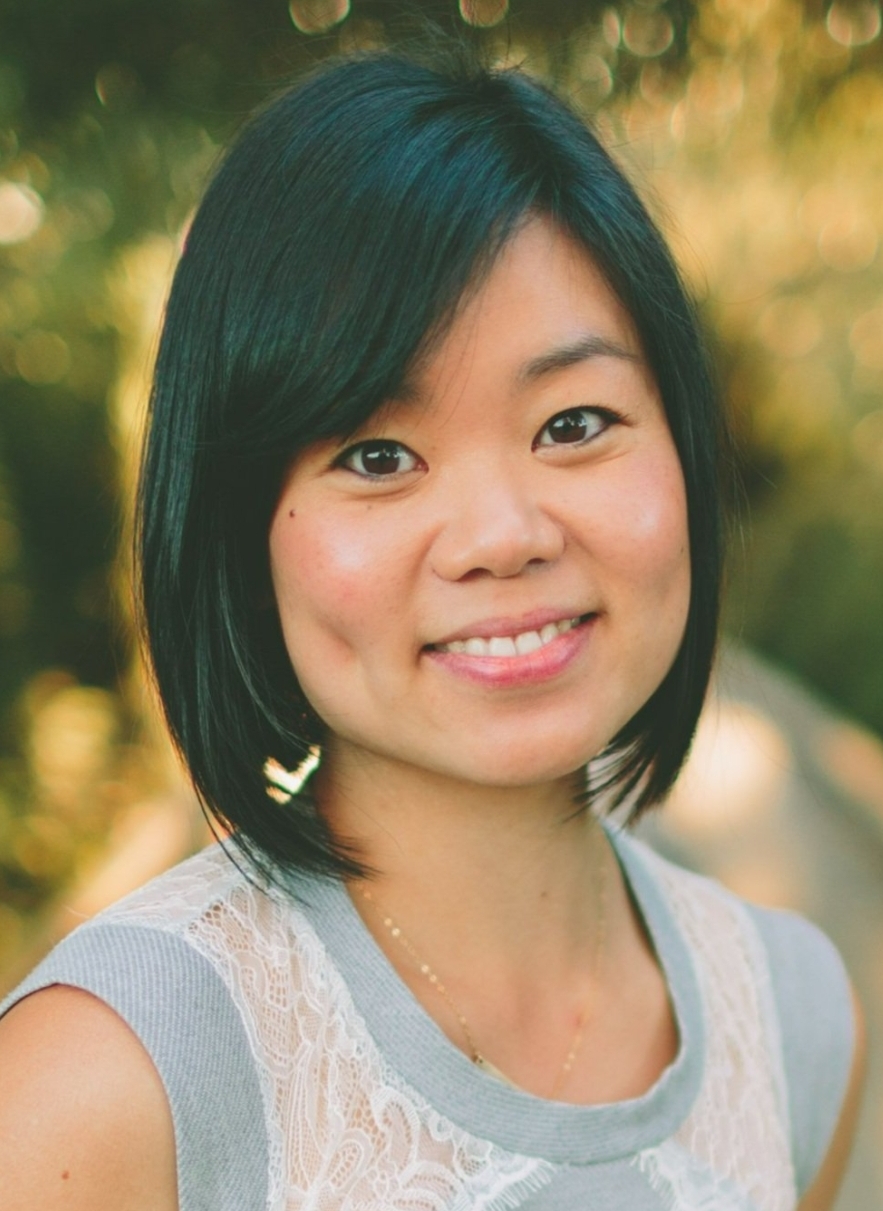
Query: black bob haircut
333	244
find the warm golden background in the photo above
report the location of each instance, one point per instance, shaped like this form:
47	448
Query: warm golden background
755	130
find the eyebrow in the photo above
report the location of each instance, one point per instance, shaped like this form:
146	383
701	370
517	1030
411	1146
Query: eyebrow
582	349
586	347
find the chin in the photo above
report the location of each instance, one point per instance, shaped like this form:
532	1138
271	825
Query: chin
530	765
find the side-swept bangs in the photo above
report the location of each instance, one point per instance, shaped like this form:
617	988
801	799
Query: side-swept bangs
332	248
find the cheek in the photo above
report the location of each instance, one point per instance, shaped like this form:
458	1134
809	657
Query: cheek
660	524
314	584
648	537
332	583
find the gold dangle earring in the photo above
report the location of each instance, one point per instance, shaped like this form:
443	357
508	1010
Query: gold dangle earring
283	783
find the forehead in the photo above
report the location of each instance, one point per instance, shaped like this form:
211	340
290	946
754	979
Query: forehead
543	305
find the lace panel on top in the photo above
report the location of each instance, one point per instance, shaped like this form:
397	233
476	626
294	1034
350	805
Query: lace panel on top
732	1153
344	1133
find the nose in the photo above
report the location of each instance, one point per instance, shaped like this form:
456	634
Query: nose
496	525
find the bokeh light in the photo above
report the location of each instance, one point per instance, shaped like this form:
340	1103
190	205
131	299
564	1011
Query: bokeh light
21	212
853	24
647	33
317	16
484	14
116	85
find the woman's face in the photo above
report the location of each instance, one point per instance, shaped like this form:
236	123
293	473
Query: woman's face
492	577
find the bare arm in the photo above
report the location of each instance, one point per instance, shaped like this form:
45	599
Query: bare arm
84	1120
822	1193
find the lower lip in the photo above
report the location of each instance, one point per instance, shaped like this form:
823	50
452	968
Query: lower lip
507	672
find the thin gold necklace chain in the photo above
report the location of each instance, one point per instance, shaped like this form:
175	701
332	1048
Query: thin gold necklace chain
477	1057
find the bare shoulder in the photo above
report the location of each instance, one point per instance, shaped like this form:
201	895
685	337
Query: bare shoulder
84	1120
822	1193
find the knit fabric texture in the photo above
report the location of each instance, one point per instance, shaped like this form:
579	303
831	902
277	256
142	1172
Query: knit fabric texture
301	1073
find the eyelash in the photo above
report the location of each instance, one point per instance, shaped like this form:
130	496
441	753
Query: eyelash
396	449
379	444
604	415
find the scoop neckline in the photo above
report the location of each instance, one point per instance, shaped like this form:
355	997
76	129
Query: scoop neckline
423	1056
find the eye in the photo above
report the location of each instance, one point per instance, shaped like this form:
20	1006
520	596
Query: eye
378	459
574	427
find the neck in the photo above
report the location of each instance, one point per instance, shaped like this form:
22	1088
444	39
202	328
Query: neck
510	898
475	875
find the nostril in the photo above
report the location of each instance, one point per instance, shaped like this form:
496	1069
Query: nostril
497	534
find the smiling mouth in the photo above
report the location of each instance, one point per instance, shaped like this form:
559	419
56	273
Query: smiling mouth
507	646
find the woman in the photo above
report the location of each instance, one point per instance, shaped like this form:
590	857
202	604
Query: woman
430	499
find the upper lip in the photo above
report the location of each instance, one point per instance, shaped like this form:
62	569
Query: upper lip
507	625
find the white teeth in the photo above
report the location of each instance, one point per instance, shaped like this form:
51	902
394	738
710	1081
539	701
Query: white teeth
510	645
503	646
528	642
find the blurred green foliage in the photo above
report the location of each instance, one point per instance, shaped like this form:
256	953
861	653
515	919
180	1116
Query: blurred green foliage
756	129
